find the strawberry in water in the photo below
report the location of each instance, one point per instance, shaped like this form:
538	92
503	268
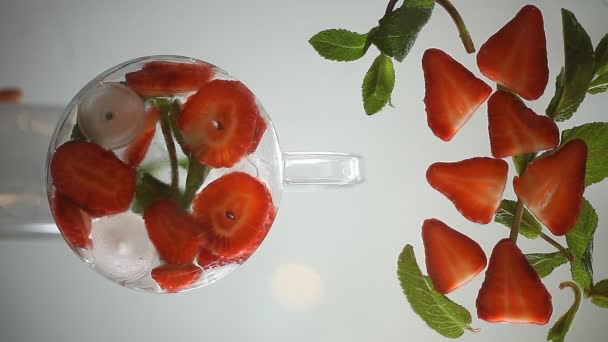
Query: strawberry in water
552	186
160	78
452	258
516	55
173	231
219	123
512	290
74	223
173	278
516	129
93	178
475	185
137	149
453	93
233	212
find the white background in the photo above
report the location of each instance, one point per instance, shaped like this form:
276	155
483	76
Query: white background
327	271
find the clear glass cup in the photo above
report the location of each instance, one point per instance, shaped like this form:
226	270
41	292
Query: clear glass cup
120	241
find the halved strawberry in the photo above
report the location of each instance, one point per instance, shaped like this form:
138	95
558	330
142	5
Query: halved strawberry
160	78
10	95
137	149
516	55
233	212
452	258
218	123
173	231
552	186
475	185
452	95
174	278
516	129
93	178
74	223
512	291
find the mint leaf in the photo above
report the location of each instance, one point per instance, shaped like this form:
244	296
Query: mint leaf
582	270
595	134
520	161
341	45
529	226
580	237
77	133
148	190
599	85
601	57
197	172
545	263
378	84
438	311
572	84
558	331
599	294
399	29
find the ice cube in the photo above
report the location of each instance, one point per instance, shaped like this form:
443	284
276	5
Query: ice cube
122	250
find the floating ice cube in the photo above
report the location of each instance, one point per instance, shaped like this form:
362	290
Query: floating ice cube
122	250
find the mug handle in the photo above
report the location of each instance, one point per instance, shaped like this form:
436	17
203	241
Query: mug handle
310	171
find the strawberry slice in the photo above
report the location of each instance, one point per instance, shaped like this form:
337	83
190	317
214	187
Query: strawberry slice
452	258
174	278
207	259
173	231
452	95
512	291
137	149
516	55
218	123
160	78
516	129
233	212
10	95
475	185
260	128
93	178
552	186
74	223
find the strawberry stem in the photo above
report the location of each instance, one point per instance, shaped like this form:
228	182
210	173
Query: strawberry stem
465	36
166	129
565	252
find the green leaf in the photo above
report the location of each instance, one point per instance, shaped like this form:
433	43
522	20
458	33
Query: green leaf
399	29
148	190
582	270
197	172
599	85
529	226
599	294
580	237
378	84
77	133
595	134
572	84
341	45
438	311
558	331
520	161
601	56
545	263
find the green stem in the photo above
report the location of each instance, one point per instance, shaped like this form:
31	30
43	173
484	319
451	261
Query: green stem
576	290
565	252
166	129
519	211
465	36
390	7
596	295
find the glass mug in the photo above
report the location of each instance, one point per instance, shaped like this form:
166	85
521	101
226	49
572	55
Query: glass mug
120	246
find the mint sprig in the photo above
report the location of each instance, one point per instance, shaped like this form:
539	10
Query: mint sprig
557	333
529	226
378	84
599	294
341	45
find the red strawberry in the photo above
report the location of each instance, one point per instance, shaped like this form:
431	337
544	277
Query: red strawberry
475	185
452	258
159	78
218	123
10	95
174	278
137	149
207	259
260	128
512	291
552	186
516	55
234	214
173	231
453	93
516	129
74	224
93	178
